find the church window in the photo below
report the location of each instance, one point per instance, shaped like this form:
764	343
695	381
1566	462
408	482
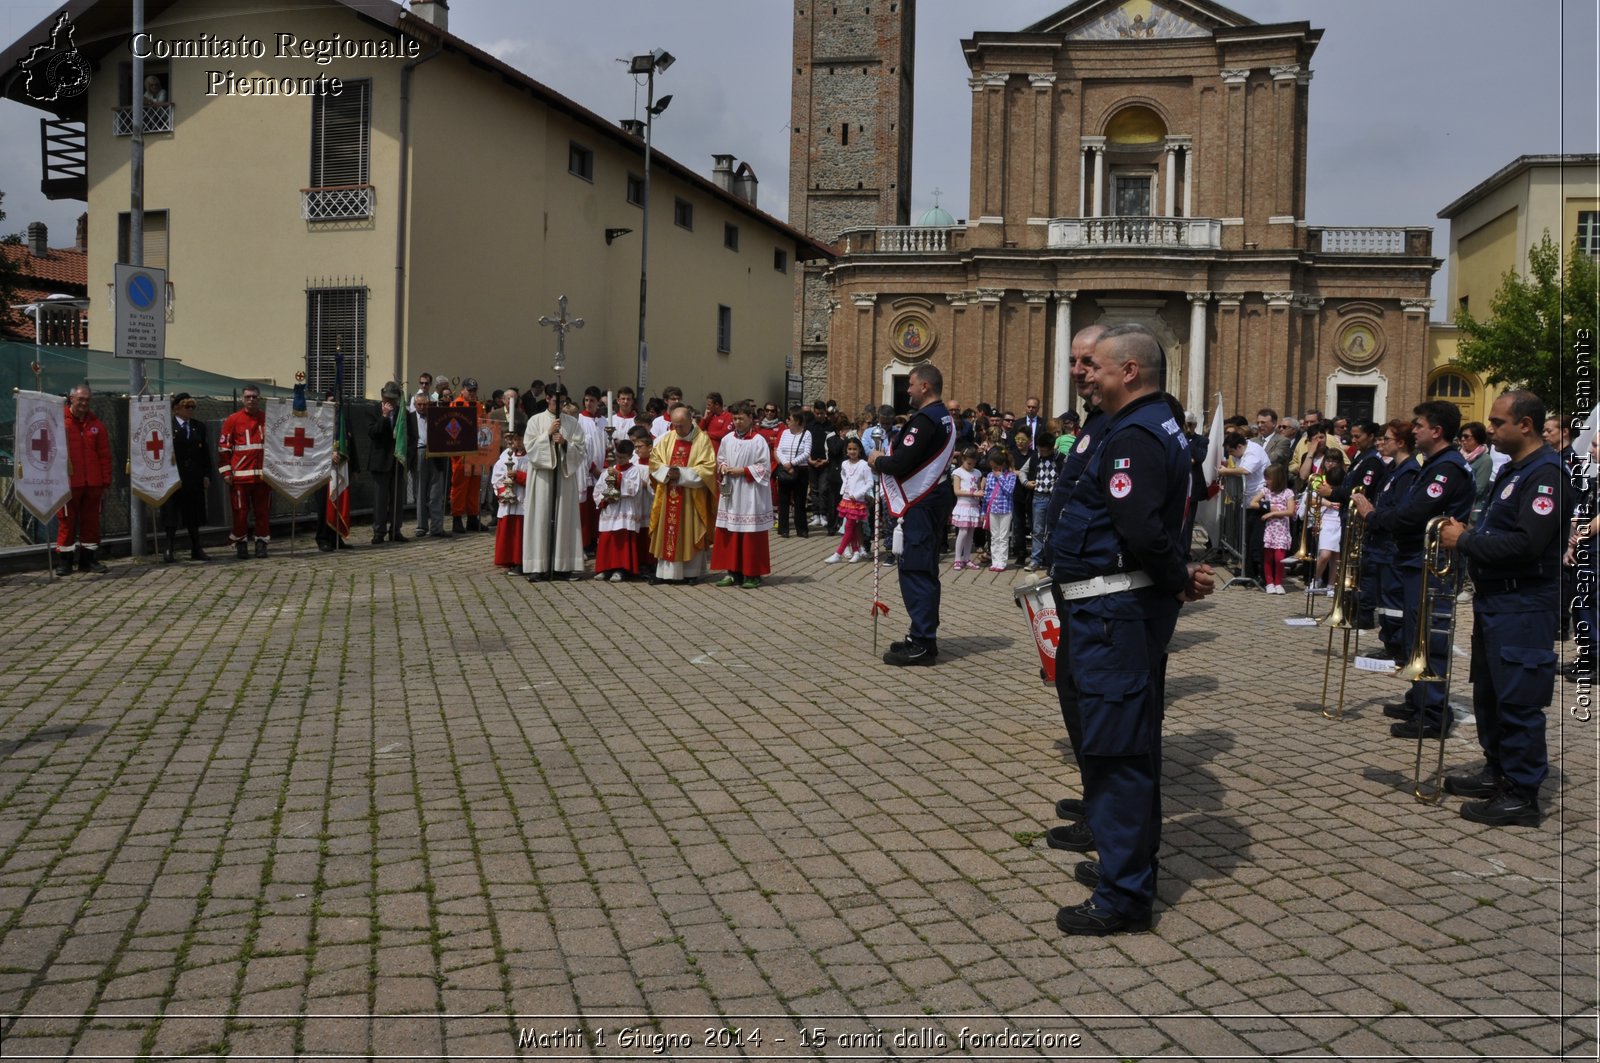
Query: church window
1132	193
844	134
1450	386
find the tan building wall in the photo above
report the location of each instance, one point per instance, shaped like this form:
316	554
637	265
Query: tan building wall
498	226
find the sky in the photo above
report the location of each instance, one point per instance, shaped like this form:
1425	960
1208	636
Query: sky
1413	102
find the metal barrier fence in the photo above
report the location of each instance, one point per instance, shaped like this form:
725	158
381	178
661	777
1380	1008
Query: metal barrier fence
1231	526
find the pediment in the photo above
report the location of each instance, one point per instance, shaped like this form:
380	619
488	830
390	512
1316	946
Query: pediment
1112	20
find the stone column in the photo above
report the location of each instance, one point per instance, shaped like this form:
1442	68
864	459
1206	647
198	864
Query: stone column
1194	401
1285	86
1099	180
1188	181
1083	171
1171	188
1044	147
1060	378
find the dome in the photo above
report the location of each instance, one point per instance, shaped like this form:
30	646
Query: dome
936	216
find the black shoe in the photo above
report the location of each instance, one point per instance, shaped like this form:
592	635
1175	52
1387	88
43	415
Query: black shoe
1483	784
1071	808
1091	919
377	540
325	545
396	537
87	563
1414	726
198	554
63	564
1087	872
420	533
456	526
241	550
1399	710
167	557
1507	810
911	653
473	525
1074	838
261	548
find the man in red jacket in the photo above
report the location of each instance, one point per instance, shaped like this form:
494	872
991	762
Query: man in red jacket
89	473
241	450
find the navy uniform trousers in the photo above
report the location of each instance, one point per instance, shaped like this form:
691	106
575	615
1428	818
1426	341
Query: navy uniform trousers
919	561
1112	686
1513	678
1428	698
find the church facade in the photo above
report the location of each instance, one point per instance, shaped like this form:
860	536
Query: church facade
1135	161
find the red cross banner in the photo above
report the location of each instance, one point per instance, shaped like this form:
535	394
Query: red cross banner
152	470
41	454
299	447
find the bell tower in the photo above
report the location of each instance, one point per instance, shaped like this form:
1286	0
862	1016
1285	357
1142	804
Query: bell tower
850	157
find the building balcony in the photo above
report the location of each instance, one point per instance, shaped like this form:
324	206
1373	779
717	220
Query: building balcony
903	239
1183	234
64	154
1370	240
337	203
158	118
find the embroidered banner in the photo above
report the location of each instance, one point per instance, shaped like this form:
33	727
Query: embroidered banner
299	447
41	454
152	468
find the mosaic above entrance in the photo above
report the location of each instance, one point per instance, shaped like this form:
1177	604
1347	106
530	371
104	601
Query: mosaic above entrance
1138	18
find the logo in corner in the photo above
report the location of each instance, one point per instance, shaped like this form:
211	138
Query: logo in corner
56	71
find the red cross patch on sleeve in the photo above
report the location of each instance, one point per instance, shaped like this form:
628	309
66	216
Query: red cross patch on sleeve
1543	506
1121	485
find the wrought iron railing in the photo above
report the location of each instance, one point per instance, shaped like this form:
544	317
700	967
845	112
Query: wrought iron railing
337	202
1136	231
158	118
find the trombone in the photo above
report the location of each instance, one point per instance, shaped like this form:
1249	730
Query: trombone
1438	565
1306	555
1346	603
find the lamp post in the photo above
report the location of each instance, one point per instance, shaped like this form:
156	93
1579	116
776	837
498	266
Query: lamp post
647	65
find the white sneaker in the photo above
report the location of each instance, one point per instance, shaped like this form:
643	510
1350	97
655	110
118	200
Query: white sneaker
858	555
834	559
599	575
1330	592
616	577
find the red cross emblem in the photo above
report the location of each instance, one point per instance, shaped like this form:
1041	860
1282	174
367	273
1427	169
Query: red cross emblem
1048	632
40	445
299	442
155	446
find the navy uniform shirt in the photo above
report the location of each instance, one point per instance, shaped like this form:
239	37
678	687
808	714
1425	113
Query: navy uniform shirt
1443	488
1514	553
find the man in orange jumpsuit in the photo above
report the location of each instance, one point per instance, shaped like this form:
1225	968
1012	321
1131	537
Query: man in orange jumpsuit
241	448
89	472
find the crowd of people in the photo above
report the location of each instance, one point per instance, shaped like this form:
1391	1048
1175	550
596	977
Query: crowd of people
613	489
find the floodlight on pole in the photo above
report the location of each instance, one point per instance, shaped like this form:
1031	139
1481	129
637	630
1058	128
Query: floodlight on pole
648	65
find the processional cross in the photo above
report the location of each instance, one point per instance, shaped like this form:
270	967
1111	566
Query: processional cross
562	324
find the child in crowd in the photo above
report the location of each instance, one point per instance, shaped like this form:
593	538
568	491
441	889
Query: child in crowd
855	488
998	493
510	479
1329	530
1278	502
623	495
968	484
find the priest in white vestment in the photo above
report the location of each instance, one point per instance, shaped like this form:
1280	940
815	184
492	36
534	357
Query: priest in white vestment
744	512
556	461
683	513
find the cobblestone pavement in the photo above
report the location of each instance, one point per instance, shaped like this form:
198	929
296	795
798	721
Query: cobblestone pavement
270	809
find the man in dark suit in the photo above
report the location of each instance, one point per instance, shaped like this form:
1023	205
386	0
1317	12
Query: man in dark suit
192	455
383	467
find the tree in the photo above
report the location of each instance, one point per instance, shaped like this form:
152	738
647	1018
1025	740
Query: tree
1533	324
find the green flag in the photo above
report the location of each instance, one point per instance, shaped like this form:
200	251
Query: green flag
401	421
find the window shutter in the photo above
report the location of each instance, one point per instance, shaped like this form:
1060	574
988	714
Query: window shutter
336	323
341	137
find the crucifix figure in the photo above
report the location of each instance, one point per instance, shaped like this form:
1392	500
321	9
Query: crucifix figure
562	324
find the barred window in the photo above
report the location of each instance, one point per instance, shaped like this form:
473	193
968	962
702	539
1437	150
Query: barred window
336	328
341	137
1589	232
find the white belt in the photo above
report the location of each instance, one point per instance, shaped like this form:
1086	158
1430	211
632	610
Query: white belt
1102	585
1393	614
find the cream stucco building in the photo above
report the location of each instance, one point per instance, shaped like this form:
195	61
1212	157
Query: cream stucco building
422	217
1493	226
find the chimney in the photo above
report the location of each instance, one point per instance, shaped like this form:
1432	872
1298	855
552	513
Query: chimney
632	126
744	183
38	239
722	171
81	241
434	12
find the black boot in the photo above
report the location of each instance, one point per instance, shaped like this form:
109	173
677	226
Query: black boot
87	563
195	553
261	548
166	555
456	527
473	525
62	563
241	550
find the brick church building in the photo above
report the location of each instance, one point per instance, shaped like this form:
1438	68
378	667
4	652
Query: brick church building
1132	160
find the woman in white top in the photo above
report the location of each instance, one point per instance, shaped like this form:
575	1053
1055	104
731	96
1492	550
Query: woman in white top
792	472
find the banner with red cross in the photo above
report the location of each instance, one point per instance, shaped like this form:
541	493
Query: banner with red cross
1040	604
41	454
299	447
152	470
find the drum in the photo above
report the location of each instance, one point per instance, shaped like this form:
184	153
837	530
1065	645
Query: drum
1040	605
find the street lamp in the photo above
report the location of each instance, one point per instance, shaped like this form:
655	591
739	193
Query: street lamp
648	65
